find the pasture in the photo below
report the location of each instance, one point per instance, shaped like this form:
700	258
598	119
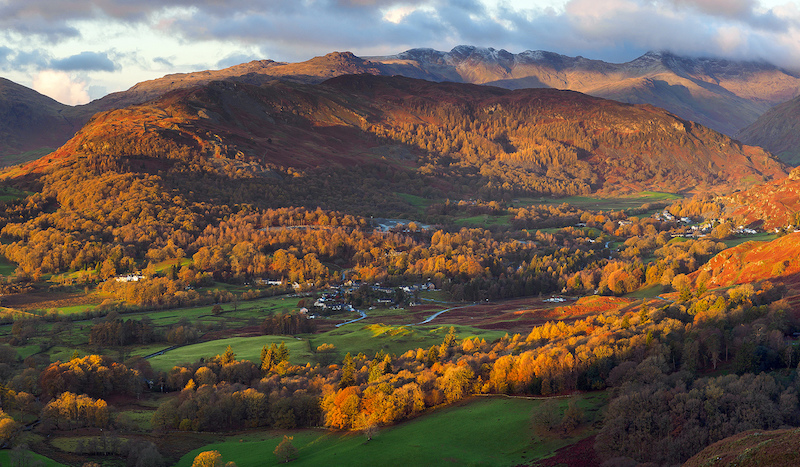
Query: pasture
245	348
493	431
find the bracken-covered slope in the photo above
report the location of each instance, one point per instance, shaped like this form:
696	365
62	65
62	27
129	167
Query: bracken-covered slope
754	448
490	139
754	261
777	131
769	205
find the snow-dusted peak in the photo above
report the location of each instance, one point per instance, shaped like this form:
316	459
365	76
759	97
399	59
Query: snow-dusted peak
534	55
422	55
484	54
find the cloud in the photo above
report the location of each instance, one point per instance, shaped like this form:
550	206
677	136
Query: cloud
164	61
85	61
595	28
614	30
96	91
236	59
727	8
23	59
5	52
60	86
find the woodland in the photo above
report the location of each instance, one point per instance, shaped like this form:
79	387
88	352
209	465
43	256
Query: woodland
517	200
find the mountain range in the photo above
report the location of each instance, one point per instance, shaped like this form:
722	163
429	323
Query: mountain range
720	94
777	131
462	137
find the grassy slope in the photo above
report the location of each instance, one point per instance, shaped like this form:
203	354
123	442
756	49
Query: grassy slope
5	459
393	339
245	348
486	431
367	339
604	204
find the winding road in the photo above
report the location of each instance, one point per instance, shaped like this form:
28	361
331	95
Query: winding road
363	315
436	315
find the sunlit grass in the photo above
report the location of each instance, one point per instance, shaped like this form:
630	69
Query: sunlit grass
485	431
245	348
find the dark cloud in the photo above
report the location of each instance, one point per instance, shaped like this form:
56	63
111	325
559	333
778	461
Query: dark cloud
84	61
36	58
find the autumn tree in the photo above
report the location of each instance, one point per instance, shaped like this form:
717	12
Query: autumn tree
348	372
71	410
208	459
228	356
9	428
285	450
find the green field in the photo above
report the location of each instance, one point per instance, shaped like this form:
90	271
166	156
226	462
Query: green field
7	268
14	159
484	220
395	340
245	311
418	202
27	458
245	348
647	292
367	339
485	431
760	237
604	204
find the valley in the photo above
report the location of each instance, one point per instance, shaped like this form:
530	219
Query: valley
334	268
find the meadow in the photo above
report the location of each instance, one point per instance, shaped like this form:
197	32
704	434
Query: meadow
245	348
493	431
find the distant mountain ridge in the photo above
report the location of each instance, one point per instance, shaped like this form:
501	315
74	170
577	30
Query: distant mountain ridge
30	121
720	94
777	131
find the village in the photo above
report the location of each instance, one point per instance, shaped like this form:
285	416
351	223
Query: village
355	295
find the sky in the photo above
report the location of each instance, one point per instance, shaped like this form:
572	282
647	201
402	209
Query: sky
79	50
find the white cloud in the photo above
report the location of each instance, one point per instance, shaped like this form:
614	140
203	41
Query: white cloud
397	14
60	86
730	38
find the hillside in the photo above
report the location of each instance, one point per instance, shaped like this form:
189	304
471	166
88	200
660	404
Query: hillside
482	140
777	131
257	72
31	121
770	205
751	262
752	448
720	94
